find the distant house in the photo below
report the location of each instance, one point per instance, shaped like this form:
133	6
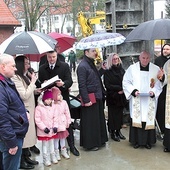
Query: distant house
8	22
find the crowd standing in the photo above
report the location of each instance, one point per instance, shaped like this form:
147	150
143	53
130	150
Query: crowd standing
141	85
54	67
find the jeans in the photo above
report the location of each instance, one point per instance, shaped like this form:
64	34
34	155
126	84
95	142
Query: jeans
11	162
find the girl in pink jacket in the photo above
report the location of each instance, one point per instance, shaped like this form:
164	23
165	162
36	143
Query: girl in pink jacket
64	119
46	122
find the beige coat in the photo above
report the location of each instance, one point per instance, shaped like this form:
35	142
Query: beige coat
27	95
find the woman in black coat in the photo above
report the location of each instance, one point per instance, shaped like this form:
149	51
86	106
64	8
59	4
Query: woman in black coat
115	98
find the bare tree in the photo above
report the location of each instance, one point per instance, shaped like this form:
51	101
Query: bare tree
32	10
167	8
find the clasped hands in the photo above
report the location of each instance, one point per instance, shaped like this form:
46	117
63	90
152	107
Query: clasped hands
137	93
47	130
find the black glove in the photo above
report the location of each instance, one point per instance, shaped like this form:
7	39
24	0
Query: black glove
54	129
46	130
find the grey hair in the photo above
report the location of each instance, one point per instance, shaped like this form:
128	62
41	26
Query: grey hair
110	58
5	58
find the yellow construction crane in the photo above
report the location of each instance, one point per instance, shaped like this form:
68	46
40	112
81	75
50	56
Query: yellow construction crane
88	25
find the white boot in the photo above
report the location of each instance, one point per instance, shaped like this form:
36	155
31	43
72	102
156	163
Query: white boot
57	154
53	158
46	160
64	153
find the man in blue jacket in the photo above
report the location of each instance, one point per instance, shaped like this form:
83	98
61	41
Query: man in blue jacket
13	117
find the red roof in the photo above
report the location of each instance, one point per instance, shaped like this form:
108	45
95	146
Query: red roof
6	17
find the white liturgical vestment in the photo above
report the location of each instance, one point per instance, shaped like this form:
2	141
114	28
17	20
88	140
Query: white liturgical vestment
142	107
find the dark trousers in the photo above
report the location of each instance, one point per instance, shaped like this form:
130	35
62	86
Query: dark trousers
70	138
73	65
1	166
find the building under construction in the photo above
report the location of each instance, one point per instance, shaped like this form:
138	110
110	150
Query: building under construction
123	16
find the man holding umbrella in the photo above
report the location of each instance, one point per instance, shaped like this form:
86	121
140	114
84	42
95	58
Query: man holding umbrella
50	69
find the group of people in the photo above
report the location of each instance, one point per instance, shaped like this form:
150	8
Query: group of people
141	86
24	120
19	124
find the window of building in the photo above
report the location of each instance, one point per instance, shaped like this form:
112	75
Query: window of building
68	17
57	30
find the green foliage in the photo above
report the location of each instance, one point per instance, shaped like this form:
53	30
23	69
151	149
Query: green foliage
79	54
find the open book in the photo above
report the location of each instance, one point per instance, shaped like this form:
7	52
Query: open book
49	83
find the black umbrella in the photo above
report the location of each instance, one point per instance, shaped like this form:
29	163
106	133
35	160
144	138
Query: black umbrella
30	42
158	29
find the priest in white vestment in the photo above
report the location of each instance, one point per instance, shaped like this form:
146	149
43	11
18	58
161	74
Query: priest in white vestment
166	139
142	88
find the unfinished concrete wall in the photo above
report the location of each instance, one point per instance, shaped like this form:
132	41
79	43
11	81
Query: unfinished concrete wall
123	16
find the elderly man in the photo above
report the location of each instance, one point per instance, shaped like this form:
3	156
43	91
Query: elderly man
13	117
142	88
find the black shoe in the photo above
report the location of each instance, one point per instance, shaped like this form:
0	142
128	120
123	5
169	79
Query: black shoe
103	145
31	162
35	149
76	125
148	146
25	165
93	149
74	151
120	135
136	146
166	150
26	152
115	137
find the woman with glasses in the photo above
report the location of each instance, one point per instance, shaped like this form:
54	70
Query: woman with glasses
115	98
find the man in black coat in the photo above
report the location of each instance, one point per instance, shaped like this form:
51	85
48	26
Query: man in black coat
160	61
93	134
50	69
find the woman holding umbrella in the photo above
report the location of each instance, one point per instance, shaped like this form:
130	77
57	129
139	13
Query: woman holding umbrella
25	84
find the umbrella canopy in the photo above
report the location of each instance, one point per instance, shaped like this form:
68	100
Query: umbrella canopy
65	41
158	29
30	42
100	40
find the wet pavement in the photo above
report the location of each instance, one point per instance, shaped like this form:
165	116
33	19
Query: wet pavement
114	156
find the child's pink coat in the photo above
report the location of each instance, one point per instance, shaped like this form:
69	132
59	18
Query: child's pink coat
63	115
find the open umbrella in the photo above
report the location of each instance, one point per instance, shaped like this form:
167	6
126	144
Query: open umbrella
100	40
30	42
158	29
65	41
